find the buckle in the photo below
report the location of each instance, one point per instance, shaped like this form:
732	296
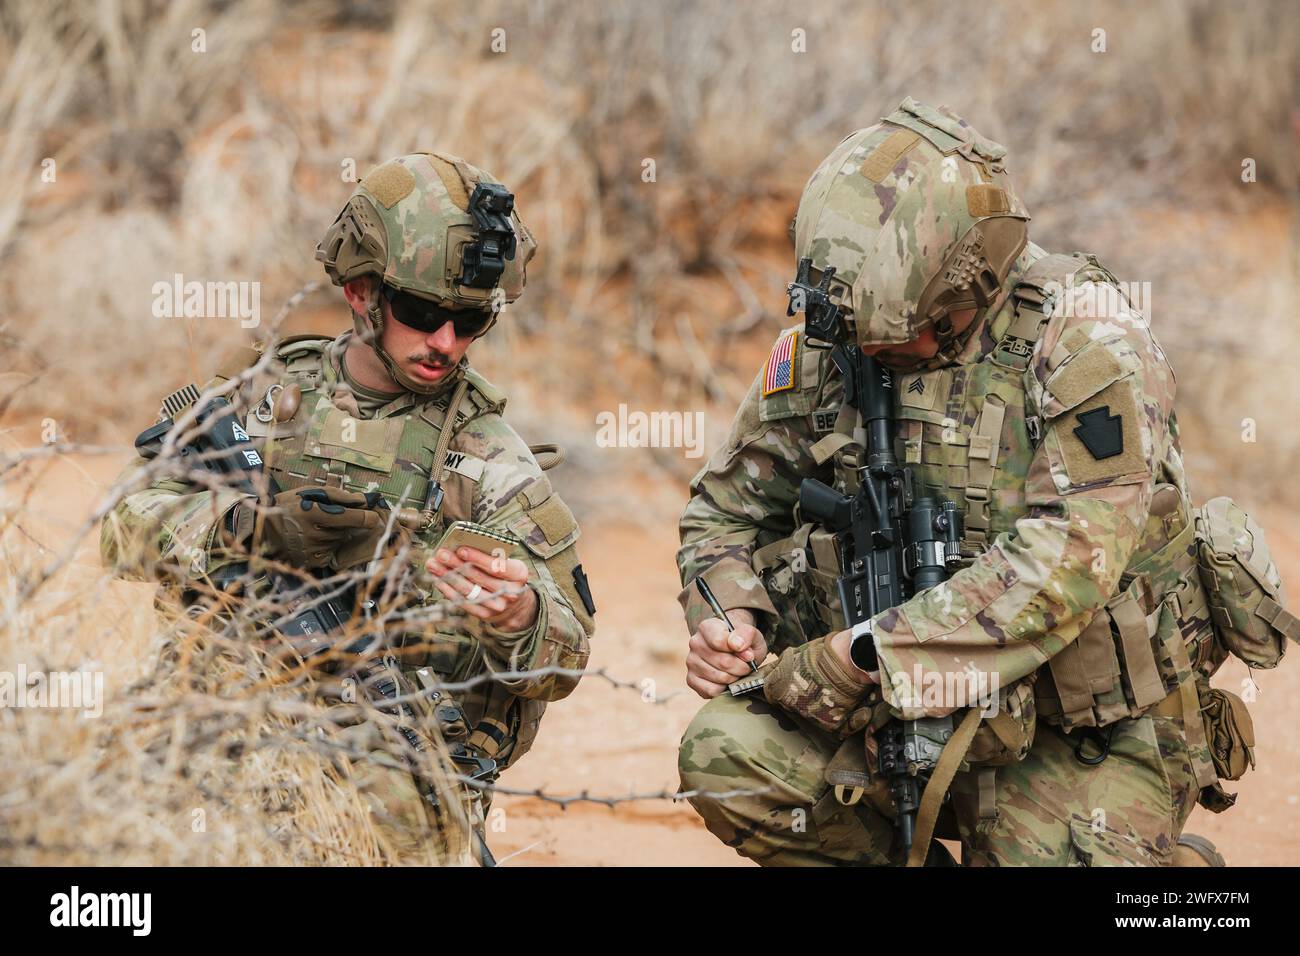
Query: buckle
480	767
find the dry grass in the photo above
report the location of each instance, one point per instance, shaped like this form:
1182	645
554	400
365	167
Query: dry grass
207	750
226	165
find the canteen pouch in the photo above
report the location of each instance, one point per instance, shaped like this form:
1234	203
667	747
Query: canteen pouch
1242	585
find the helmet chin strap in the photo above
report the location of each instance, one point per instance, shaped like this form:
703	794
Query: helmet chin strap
951	343
371	331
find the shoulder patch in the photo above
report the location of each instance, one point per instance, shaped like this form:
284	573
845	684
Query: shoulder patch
779	372
1101	432
1100	441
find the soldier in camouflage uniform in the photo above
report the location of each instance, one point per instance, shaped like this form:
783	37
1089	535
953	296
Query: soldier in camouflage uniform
428	249
1031	393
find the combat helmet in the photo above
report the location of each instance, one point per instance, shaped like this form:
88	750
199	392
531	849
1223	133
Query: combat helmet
431	225
904	223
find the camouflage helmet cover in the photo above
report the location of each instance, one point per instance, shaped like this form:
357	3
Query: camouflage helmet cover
435	226
918	219
410	221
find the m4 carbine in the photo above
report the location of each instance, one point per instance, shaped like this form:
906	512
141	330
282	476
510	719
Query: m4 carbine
892	542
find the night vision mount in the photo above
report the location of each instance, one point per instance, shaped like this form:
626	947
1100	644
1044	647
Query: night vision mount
484	260
821	315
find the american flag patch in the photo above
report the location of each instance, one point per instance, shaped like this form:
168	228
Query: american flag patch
779	372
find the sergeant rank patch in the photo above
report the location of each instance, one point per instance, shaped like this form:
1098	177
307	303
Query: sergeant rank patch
778	374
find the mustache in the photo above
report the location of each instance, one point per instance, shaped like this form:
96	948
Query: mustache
434	358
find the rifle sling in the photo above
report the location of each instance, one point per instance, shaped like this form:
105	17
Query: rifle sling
927	815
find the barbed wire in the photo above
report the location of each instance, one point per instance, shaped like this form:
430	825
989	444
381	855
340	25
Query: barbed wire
196	722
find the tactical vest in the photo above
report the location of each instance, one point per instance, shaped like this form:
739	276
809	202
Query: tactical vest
969	436
389	453
393	453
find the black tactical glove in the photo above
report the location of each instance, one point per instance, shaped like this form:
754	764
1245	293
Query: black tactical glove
316	527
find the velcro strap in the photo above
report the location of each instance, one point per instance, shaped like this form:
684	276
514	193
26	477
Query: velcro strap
824	448
1171	706
1279	617
1198	747
488	737
986	440
1097	651
927	814
767	556
1007	730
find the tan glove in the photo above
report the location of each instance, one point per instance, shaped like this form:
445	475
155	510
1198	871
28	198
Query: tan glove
809	680
317	527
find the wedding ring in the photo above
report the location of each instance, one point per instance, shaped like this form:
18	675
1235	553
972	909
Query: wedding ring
474	592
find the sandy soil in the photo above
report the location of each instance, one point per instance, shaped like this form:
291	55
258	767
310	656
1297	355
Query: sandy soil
613	741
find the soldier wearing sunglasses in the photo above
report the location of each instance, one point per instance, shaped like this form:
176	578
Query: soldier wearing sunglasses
390	415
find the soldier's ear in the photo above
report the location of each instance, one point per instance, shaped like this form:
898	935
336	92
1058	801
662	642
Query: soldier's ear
357	292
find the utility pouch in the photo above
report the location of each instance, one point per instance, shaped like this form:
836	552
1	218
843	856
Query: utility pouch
799	575
1242	585
1229	731
1005	737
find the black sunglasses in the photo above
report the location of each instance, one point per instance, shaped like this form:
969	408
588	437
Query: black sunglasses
424	316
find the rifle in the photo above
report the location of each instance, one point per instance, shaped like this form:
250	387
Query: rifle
892	542
219	444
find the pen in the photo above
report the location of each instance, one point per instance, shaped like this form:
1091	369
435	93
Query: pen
707	593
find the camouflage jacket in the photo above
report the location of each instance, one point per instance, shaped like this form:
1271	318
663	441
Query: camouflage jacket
168	530
1068	516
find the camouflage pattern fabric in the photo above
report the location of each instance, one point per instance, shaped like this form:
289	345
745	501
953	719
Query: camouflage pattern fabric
1052	810
1060	538
916	215
746	743
411	220
169	529
413	224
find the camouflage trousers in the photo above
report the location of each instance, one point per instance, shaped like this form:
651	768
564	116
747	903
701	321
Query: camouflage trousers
414	827
412	830
1052	809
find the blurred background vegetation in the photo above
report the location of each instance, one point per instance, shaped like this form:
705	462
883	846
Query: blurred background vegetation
227	163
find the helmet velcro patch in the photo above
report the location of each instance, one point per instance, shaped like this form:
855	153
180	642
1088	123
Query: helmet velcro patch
885	157
457	190
985	199
389	184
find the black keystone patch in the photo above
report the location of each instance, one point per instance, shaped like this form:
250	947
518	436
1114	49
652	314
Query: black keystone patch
1101	432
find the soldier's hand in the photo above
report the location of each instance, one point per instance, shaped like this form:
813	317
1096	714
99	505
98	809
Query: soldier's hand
717	656
315	527
491	587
